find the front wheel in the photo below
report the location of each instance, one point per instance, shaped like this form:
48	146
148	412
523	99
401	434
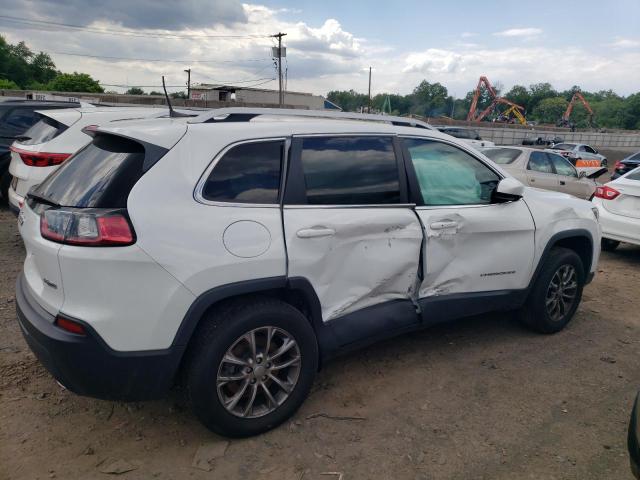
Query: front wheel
609	245
556	294
251	366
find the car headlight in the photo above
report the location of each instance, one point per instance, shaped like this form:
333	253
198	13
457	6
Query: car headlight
596	213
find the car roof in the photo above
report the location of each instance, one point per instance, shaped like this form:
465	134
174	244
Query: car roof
38	103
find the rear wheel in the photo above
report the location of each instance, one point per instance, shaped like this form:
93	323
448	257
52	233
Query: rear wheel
251	367
556	293
609	245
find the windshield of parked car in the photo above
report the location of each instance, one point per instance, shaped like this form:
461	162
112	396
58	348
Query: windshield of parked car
564	146
502	156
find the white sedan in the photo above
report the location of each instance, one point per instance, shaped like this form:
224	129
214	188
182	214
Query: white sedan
618	203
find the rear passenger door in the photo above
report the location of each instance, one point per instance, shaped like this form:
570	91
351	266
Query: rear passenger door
348	226
540	172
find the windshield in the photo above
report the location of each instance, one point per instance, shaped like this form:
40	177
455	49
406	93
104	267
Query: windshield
502	156
42	131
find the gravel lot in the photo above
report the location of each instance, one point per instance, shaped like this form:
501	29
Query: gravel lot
480	398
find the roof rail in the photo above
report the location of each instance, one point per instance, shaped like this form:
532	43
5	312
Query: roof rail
244	114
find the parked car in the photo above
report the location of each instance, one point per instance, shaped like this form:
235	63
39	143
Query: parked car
16	116
54	138
546	170
469	135
626	165
243	252
618	203
580	155
536	139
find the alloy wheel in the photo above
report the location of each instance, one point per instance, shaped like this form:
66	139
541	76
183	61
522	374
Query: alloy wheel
562	292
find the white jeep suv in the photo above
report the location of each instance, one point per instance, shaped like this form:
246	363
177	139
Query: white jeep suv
240	249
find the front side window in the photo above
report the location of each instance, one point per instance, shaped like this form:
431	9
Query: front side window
450	176
247	173
539	162
563	167
350	170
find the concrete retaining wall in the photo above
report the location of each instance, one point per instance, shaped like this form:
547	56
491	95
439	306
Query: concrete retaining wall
509	136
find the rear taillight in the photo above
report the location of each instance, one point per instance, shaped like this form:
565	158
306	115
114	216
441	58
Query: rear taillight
619	164
91	228
40	159
70	325
607	193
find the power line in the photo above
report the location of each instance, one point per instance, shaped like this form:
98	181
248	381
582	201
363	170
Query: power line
157	59
42	24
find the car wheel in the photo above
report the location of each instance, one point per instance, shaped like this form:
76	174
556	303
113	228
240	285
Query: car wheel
609	245
251	366
5	182
556	293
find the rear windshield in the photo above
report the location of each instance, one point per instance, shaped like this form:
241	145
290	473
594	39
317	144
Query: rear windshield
634	175
502	156
101	175
563	146
634	157
42	131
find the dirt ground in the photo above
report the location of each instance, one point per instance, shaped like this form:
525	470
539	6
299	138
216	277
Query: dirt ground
479	398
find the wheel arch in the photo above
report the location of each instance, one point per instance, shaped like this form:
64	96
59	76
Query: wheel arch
578	240
296	291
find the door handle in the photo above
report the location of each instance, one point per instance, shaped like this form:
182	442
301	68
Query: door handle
443	225
532	180
315	232
562	182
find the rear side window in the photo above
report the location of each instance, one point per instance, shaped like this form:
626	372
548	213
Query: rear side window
539	162
247	173
21	119
502	156
562	166
101	175
350	171
42	131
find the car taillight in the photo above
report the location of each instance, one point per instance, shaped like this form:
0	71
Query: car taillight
619	165
40	159
607	193
70	325
91	228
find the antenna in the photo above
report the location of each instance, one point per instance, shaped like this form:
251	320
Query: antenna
172	112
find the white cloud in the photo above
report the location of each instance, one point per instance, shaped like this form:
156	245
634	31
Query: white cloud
621	42
519	32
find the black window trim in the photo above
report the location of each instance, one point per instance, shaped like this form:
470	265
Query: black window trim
415	194
295	195
198	191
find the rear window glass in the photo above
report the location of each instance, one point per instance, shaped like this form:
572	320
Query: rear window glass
633	175
248	173
42	131
101	175
350	171
634	157
21	119
564	146
502	156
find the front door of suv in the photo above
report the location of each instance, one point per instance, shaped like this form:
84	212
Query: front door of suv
348	226
473	244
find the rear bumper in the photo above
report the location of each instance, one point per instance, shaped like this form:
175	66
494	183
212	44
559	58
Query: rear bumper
618	227
14	200
86	365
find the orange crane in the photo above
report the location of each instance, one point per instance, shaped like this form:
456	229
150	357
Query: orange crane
484	81
564	121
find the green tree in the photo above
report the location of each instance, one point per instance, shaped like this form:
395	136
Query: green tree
43	70
75	82
519	95
429	99
182	95
538	92
135	91
348	100
8	85
549	110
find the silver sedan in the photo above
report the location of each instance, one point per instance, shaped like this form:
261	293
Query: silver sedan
546	170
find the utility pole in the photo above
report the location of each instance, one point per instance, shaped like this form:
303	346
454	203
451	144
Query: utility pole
279	36
369	109
188	72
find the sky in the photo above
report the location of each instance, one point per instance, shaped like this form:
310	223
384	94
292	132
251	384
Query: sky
331	44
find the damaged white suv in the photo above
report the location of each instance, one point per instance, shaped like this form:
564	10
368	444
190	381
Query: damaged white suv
240	249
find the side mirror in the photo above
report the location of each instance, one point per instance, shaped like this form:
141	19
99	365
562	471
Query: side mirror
582	174
508	190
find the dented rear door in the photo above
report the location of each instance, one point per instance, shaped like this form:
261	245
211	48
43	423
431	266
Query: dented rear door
472	245
348	228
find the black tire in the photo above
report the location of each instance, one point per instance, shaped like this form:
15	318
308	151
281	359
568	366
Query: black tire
5	182
218	332
609	245
534	314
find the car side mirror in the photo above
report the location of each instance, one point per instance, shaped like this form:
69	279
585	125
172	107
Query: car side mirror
508	190
582	174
